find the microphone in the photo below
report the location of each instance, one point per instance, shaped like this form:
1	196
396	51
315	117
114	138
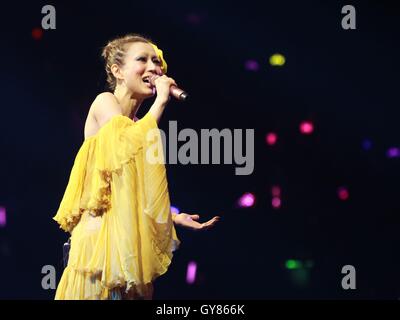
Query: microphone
173	90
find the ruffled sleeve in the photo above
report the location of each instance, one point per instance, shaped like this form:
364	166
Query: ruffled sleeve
69	212
89	187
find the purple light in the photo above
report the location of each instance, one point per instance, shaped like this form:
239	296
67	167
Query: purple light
276	202
393	152
191	272
276	191
271	138
174	210
251	65
306	127
3	217
367	144
343	193
247	200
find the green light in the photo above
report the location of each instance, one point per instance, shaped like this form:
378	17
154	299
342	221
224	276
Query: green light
293	264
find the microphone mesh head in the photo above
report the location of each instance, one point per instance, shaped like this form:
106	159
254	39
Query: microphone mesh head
183	96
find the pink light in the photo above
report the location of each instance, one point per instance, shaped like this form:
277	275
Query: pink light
251	65
276	191
174	210
343	193
306	127
393	152
247	200
276	202
191	272
271	138
3	217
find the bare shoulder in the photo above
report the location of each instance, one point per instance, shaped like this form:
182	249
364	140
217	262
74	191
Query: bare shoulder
104	107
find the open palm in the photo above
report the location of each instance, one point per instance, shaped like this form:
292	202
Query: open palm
190	221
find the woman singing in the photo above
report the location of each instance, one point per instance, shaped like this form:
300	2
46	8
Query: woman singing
116	205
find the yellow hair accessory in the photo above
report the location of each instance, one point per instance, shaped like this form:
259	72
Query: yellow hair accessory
160	55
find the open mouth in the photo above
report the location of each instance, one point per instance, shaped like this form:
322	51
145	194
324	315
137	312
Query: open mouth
146	80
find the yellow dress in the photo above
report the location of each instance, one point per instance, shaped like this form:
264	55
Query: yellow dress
116	207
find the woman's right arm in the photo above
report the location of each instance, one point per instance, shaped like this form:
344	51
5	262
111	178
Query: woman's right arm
162	84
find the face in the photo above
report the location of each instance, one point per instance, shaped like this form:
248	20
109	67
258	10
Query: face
141	61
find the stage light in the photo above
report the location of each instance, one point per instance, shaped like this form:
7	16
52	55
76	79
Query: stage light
393	152
174	210
292	264
276	191
3	217
367	144
37	33
251	65
306	127
299	272
191	272
276	202
277	60
247	200
343	193
271	138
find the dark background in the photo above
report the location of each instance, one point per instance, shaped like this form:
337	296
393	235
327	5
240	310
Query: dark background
345	81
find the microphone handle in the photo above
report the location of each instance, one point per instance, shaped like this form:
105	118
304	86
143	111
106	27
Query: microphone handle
178	93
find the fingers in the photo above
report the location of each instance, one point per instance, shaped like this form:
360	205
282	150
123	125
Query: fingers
167	79
172	81
210	223
213	220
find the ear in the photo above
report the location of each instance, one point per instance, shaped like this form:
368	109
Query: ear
116	71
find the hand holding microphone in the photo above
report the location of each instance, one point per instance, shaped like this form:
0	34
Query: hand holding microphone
166	86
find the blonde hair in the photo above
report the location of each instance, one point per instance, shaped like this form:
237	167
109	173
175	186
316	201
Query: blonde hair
114	53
